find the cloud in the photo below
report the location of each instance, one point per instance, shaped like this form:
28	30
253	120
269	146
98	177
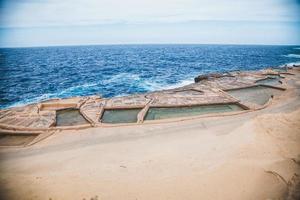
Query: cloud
67	22
22	13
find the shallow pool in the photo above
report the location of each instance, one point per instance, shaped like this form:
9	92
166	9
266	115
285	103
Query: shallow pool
120	116
270	81
69	117
257	94
163	113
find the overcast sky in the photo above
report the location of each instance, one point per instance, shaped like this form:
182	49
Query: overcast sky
75	22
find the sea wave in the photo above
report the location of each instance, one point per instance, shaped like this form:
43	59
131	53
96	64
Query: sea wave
180	84
147	85
33	100
292	56
156	85
121	78
71	91
76	89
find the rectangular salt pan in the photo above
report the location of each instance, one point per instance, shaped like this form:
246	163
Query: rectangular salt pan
69	117
120	116
259	95
269	81
16	140
280	69
164	113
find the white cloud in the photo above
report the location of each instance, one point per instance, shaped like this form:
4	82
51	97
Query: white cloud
67	22
22	13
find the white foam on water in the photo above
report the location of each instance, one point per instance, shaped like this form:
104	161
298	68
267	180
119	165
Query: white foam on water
33	100
48	96
121	78
292	56
291	64
180	84
149	85
155	85
134	79
74	88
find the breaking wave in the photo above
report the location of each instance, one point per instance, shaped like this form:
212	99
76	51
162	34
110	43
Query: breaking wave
291	64
292	56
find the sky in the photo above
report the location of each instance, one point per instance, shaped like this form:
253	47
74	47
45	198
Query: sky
84	22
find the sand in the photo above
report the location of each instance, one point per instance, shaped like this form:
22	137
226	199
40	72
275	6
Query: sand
254	155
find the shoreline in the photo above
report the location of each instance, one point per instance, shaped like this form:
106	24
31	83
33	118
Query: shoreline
207	90
182	83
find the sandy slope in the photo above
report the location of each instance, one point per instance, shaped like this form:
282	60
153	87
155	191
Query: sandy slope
249	156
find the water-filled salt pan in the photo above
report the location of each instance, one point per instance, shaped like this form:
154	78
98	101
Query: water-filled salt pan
258	94
269	81
69	117
120	116
163	113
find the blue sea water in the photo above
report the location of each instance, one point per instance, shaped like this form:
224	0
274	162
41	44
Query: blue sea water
33	74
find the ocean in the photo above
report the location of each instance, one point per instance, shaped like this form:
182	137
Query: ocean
30	75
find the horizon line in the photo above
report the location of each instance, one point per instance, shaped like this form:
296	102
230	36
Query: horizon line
130	44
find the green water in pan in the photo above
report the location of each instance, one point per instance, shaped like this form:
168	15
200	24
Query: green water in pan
120	116
164	113
69	117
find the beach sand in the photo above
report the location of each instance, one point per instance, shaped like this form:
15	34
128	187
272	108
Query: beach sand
255	155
